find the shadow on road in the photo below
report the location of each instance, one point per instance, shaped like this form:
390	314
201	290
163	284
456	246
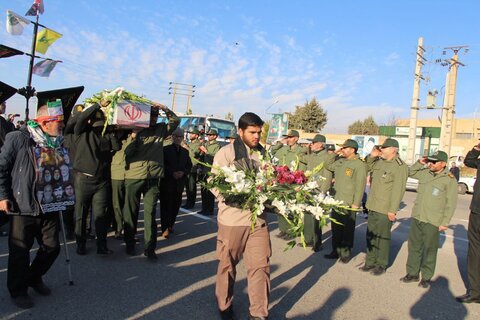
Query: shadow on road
334	302
459	233
428	307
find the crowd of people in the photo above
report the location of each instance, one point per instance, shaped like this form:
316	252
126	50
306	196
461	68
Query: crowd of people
83	168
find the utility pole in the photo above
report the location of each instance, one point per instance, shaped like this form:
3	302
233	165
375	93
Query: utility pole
182	89
449	105
412	134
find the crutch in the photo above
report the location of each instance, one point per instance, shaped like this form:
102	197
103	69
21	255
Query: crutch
67	255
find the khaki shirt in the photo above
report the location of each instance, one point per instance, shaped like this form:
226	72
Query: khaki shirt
194	153
350	179
436	195
388	184
314	159
227	215
287	154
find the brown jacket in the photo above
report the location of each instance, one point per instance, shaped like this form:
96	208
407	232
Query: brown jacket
228	215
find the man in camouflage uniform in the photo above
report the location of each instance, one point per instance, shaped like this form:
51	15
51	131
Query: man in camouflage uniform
286	154
434	207
208	151
318	156
193	148
350	174
389	177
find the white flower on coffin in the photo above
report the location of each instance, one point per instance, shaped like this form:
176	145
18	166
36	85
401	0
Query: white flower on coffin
331	201
298	208
261	201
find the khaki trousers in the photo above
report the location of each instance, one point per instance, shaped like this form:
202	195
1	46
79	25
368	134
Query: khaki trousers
233	243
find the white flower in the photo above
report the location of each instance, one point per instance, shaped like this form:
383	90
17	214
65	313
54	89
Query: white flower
310	185
316	211
281	207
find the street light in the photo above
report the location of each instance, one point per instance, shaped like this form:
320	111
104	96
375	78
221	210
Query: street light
275	102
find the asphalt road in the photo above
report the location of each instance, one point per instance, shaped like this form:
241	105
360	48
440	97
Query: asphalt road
304	285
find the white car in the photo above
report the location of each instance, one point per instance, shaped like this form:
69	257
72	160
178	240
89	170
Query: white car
465	184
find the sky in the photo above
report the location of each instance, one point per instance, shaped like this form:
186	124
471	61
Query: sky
357	58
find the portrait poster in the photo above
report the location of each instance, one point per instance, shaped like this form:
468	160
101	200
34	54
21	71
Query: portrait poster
55	191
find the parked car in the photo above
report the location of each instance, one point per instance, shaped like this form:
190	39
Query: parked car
457	159
465	184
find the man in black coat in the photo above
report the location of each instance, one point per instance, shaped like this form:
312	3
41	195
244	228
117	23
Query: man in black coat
177	166
20	158
473	257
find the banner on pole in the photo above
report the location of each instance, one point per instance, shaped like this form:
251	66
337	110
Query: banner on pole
44	68
6	52
37	7
15	23
69	97
45	38
6	91
278	127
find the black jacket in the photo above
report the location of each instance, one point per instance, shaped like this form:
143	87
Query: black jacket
17	173
176	158
472	161
93	152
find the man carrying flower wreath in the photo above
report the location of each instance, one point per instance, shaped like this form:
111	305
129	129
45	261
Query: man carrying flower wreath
236	237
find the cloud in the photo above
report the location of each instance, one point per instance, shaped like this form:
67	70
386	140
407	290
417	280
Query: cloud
391	59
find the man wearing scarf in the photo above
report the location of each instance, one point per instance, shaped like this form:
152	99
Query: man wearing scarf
19	181
235	236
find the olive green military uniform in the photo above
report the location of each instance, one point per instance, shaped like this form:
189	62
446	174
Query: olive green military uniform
434	206
118	185
144	163
191	185
386	192
311	228
208	199
286	155
350	179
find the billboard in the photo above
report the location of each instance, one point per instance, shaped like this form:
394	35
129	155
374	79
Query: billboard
278	127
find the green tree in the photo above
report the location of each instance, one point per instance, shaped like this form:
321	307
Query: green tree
365	127
310	117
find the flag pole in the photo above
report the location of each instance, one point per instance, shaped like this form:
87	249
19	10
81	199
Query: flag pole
29	91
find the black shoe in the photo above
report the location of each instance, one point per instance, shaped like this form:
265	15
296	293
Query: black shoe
187	206
250	317
40	288
281	235
130	250
81	249
227	314
118	236
104	250
150	254
378	270
23	301
425	283
206	213
70	236
467	298
345	259
90	236
366	268
332	255
408	278
318	247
